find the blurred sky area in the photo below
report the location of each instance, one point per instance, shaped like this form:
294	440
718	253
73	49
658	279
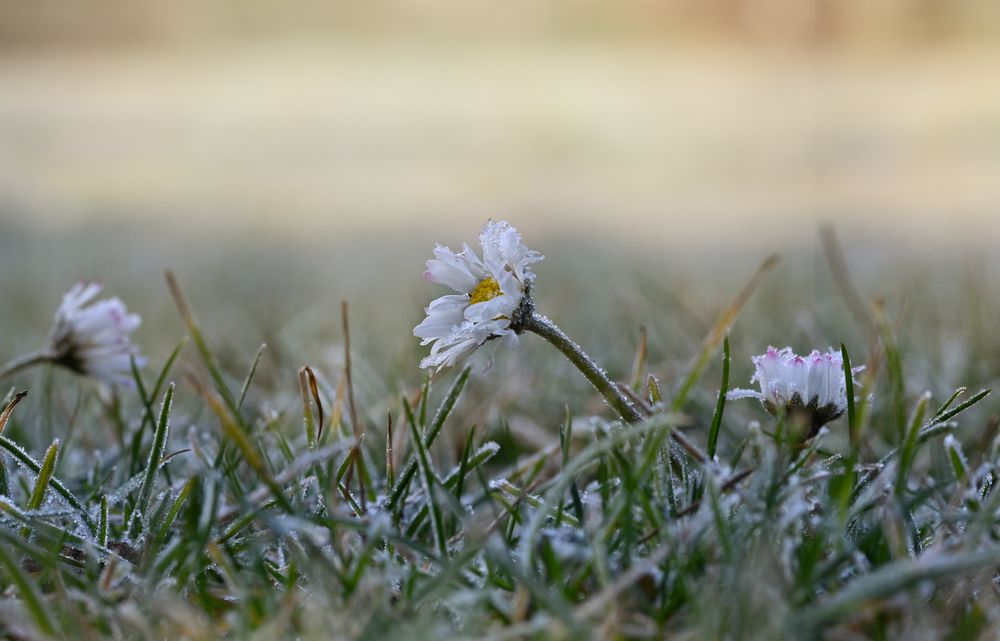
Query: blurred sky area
663	124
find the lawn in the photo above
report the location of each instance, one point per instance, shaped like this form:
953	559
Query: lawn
279	466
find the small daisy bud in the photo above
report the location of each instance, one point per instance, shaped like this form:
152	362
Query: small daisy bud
811	389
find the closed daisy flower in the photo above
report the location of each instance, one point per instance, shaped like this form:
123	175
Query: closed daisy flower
809	388
92	338
493	296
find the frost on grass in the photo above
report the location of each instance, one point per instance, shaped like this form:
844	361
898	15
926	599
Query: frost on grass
251	531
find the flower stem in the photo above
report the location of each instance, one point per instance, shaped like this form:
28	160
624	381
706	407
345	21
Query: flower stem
592	371
23	362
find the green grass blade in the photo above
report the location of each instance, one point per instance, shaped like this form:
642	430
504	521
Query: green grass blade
852	415
891	579
154	459
447	405
250	375
4	481
951	399
30	598
427	471
171	516
21	455
955	411
908	450
720	405
44	477
102	528
440	416
463	466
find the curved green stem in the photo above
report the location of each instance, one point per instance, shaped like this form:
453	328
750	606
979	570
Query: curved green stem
592	371
23	362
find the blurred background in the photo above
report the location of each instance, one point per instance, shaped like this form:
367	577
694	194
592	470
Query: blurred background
664	124
282	156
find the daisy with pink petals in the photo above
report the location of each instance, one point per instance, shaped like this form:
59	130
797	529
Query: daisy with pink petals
93	338
492	295
89	337
812	387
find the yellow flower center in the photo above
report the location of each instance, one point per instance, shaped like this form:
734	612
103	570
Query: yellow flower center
487	289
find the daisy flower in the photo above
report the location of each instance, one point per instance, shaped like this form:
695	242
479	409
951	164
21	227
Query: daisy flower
811	387
92	338
493	296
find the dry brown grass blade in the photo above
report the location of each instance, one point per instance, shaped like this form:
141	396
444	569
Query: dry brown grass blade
187	314
337	411
229	426
358	461
9	409
309	387
729	316
842	279
718	331
641	358
347	369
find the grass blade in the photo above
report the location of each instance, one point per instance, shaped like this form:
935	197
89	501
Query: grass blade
44	477
720	405
427	471
102	528
207	357
890	579
639	363
249	379
852	415
29	596
440	416
18	452
307	384
908	450
9	409
153	461
718	331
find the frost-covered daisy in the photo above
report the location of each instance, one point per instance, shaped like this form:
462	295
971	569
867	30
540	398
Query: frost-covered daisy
92	338
493	296
811	387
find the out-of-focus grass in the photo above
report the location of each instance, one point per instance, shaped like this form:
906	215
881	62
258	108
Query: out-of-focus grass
287	294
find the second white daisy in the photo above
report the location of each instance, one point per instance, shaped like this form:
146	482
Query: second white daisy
491	294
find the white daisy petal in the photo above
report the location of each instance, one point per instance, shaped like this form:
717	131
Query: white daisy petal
458	271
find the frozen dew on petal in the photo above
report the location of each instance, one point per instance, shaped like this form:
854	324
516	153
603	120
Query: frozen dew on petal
810	388
493	293
93	337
